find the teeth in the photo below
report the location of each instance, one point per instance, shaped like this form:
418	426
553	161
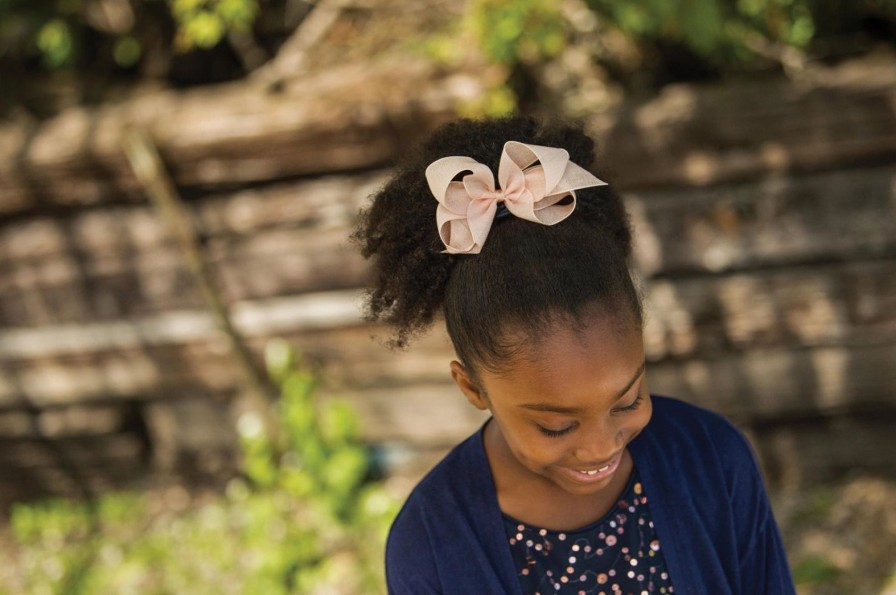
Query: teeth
595	471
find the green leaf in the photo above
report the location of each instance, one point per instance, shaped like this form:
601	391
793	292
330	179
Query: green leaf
279	358
237	13
204	29
55	43
338	423
814	570
182	10
126	51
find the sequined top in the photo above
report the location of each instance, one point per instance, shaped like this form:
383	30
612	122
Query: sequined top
619	553
707	502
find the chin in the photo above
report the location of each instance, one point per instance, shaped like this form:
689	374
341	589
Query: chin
582	490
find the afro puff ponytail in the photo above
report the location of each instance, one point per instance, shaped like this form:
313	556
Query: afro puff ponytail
526	274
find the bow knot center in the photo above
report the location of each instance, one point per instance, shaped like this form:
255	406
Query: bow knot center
497	195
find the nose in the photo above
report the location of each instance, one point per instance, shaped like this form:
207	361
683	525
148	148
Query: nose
600	443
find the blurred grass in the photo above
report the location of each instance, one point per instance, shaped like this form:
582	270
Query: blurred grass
302	518
840	538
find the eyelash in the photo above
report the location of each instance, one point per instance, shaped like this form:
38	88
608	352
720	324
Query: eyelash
634	405
558	433
555	433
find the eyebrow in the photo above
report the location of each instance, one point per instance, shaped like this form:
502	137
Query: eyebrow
571	410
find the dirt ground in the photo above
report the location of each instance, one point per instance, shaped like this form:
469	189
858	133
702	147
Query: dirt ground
841	538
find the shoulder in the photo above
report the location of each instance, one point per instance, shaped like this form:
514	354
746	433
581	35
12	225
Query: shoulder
687	435
684	415
447	482
431	493
676	420
684	441
435	505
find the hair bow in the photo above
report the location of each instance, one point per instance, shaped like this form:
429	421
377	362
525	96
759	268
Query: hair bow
533	180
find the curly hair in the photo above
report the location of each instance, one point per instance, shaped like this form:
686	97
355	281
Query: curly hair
526	275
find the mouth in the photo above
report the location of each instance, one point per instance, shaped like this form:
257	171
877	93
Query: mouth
595	473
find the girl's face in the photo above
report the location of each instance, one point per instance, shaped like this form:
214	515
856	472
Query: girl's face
566	408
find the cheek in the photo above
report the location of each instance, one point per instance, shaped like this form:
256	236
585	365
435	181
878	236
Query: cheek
536	452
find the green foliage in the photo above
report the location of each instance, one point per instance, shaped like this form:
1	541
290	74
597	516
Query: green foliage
717	31
203	23
57	30
727	33
520	30
54	40
498	100
815	570
126	51
699	23
720	35
508	33
302	519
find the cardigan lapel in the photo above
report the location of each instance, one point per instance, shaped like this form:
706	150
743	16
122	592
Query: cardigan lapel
482	502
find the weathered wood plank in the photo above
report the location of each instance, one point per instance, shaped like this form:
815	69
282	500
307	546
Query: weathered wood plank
66	291
319	123
303	312
116	263
701	317
96	446
233	133
77	452
772	222
83	420
776	382
756	383
70	466
809	306
423	415
698	135
807	452
322	203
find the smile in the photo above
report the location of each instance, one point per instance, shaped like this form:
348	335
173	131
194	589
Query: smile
596	471
595	474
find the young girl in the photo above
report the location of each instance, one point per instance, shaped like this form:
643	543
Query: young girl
581	481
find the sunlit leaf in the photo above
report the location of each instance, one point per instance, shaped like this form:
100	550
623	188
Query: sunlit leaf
126	51
55	43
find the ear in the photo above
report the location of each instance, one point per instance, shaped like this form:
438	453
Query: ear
464	381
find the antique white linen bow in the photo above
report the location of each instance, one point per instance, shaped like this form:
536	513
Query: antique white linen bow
532	181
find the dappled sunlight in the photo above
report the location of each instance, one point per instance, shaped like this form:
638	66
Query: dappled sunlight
647	243
832	368
669	328
753	149
747	309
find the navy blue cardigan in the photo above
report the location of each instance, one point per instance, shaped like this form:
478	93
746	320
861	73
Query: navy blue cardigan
707	501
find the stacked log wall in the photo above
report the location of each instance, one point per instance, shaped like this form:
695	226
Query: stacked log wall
765	218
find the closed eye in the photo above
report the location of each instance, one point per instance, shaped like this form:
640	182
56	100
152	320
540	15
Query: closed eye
632	407
555	433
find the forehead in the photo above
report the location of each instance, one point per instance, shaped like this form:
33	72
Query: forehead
573	364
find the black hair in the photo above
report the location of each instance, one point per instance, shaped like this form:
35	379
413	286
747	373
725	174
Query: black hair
526	276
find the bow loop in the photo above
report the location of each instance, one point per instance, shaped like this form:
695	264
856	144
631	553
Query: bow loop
534	182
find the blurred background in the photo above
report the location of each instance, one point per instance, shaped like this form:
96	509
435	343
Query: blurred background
190	401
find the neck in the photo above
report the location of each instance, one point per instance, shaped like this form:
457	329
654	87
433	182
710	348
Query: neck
536	500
